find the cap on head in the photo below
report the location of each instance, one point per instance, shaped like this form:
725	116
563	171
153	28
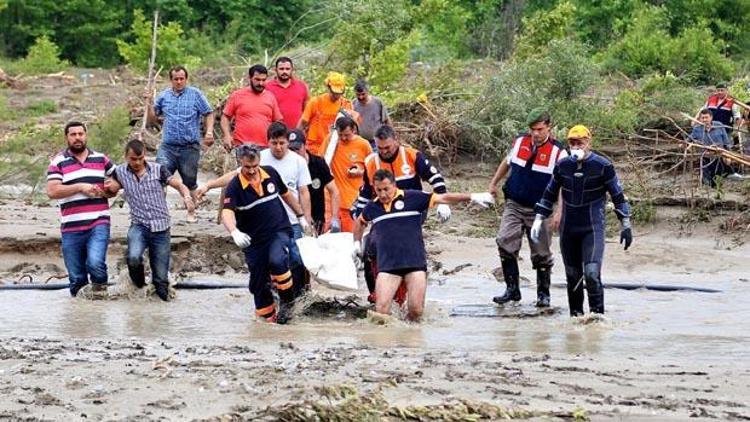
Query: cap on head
297	139
721	84
539	114
579	132
336	82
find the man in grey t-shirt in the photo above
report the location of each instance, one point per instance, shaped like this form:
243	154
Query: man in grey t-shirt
372	111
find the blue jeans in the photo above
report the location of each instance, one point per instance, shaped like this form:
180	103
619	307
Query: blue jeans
295	259
183	159
139	238
85	256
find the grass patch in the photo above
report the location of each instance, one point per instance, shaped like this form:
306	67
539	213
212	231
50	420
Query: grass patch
40	108
109	134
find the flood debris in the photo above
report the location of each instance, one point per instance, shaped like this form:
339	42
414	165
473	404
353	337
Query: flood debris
344	402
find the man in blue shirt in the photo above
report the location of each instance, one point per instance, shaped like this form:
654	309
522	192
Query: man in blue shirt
711	133
183	109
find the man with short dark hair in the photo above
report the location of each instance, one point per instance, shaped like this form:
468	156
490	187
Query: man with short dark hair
400	244
724	109
75	177
252	109
348	166
713	166
372	112
255	218
530	162
291	93
144	183
410	167
183	108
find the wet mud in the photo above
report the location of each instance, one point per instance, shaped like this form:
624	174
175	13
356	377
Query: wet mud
653	356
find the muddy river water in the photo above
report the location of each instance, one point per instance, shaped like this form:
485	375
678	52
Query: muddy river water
655	356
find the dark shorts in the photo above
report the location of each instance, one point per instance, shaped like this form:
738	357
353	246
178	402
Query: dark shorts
402	272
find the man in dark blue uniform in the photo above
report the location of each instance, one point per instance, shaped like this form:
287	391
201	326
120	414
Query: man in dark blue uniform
399	244
585	178
255	217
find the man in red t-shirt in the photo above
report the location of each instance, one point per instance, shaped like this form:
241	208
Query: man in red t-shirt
290	93
253	109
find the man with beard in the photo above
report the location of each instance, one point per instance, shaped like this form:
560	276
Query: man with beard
410	167
291	93
252	110
75	177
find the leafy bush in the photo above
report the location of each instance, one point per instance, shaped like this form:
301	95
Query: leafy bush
43	57
555	78
110	132
170	45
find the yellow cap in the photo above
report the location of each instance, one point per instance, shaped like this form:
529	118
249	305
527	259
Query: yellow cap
336	82
579	132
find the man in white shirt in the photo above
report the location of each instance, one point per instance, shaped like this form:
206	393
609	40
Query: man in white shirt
294	172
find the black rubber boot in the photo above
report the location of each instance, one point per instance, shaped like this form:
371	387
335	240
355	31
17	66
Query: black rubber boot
510	274
594	287
574	279
286	302
162	290
542	287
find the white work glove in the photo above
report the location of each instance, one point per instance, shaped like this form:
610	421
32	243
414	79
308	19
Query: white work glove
357	254
241	239
536	228
443	212
335	225
305	226
484	199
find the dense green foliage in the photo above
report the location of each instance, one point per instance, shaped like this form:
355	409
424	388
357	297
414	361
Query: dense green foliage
617	65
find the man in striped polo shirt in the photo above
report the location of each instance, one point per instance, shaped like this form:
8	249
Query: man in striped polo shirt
143	183
75	177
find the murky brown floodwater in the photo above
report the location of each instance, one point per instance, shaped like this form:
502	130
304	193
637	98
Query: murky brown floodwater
685	325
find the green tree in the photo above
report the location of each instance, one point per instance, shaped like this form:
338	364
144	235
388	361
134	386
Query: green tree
43	57
170	45
542	27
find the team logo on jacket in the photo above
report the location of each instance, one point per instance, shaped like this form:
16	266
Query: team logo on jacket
315	183
399	205
271	188
405	169
433	170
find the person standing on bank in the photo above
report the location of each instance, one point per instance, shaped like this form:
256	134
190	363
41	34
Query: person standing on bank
75	177
144	184
183	109
371	110
530	162
584	180
291	93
